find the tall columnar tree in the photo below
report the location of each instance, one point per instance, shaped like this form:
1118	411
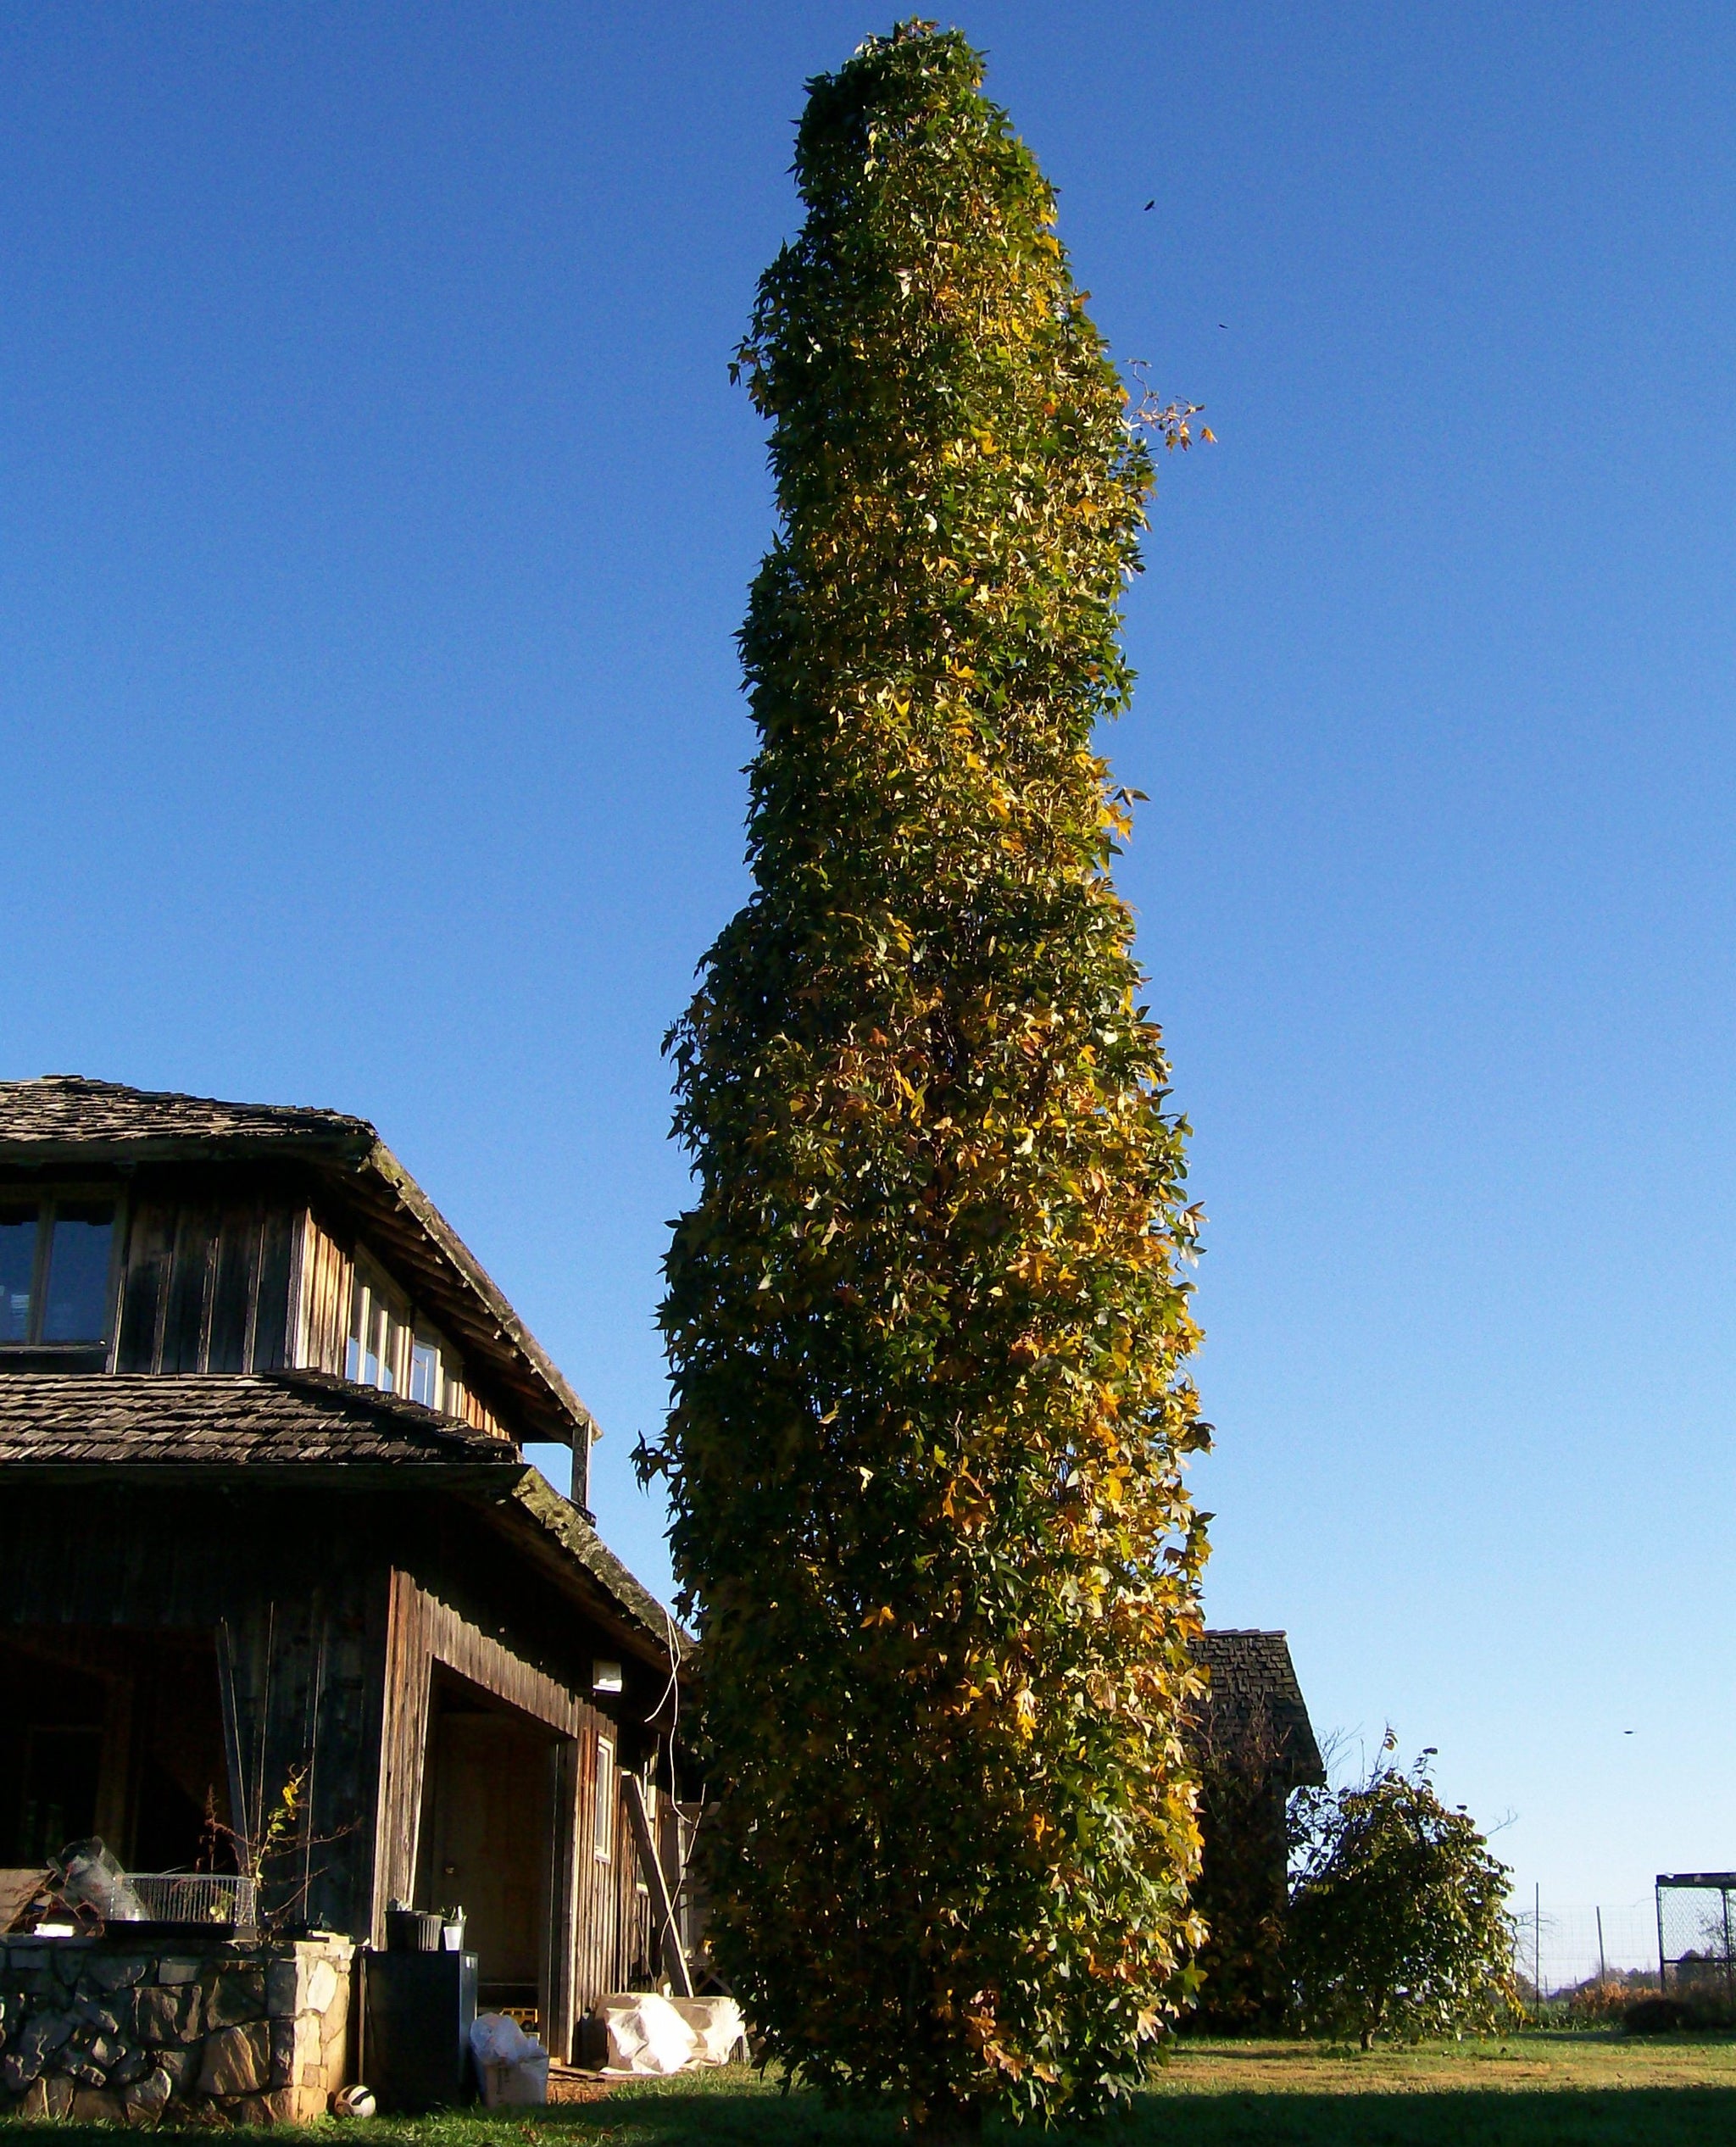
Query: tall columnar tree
926	1320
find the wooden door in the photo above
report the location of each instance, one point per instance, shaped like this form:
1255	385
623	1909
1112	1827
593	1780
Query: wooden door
488	1843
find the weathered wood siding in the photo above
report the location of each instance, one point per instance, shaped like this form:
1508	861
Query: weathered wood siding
326	1278
324	1302
328	1614
461	1402
205	1283
599	1920
216	1278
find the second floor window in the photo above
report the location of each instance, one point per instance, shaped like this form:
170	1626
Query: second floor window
55	1264
387	1348
425	1372
374	1355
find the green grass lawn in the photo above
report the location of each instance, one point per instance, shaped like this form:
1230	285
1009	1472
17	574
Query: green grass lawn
1533	2090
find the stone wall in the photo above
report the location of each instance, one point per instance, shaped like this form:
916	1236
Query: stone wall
93	2028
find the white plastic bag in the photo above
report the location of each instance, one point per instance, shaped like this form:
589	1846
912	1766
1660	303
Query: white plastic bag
718	2030
646	2034
512	2066
497	2039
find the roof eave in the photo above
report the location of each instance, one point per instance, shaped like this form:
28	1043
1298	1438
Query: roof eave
557	1534
509	1328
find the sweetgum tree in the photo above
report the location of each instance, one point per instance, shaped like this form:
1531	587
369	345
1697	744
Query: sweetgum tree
925	1320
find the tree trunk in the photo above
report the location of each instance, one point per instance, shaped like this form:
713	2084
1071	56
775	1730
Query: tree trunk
949	2121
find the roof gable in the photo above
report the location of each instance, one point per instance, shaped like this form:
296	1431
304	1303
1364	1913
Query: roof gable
68	1120
1254	1689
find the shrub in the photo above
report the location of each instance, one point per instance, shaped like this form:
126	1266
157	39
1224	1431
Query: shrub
1397	1922
1694	2009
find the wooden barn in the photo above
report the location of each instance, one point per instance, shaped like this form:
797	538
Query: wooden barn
265	1516
1252	1744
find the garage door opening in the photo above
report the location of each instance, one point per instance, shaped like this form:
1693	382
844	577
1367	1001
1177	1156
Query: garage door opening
487	1837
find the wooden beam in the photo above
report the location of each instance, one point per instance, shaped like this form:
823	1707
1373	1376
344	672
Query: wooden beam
675	1959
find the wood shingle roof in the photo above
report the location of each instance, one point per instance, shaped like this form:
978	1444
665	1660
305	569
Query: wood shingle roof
1253	1688
250	1421
72	1111
60	1427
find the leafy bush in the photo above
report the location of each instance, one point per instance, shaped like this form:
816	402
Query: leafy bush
925	1320
1397	1922
1692	2009
1601	2001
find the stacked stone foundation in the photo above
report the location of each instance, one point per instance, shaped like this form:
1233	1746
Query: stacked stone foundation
97	2029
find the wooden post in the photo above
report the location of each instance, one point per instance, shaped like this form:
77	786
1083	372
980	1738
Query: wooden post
674	1960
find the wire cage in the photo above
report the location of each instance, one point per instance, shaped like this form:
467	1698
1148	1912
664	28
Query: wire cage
1696	1925
194	1897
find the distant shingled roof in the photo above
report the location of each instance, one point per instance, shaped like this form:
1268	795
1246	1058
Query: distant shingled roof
68	1119
1253	1679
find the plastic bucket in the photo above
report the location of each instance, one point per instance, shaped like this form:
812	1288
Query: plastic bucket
412	1931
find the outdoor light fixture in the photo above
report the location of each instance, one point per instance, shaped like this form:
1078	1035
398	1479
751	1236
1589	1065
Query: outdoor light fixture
606	1677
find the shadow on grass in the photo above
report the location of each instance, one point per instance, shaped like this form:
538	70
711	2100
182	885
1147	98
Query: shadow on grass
1686	2117
1440	2117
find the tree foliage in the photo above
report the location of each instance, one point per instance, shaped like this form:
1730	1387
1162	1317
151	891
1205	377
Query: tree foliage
1398	1922
926	1318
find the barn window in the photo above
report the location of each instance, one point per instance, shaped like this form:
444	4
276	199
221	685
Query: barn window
603	1826
425	1372
376	1353
18	1272
54	1271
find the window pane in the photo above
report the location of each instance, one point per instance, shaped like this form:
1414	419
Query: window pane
18	1256
358	1328
77	1301
424	1369
603	1820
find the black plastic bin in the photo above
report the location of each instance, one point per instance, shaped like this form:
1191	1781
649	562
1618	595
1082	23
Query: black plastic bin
412	1931
417	2011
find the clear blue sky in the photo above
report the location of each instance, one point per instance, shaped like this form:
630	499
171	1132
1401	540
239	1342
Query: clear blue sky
374	517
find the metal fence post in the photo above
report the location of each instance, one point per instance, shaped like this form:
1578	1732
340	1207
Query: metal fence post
1537	1949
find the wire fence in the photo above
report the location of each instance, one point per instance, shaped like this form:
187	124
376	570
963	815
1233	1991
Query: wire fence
1560	1948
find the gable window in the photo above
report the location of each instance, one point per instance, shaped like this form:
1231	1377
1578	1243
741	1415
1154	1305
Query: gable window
379	1329
54	1269
425	1372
